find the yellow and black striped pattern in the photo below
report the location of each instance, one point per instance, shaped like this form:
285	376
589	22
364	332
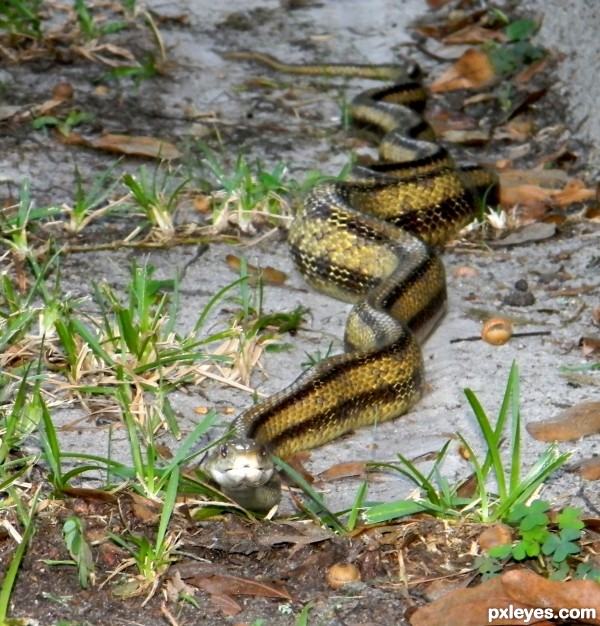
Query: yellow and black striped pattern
370	241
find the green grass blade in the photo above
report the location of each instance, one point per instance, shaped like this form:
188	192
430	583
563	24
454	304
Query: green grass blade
357	506
492	441
310	491
168	507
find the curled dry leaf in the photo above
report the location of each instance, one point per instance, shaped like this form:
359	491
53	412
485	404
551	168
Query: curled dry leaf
577	421
472	70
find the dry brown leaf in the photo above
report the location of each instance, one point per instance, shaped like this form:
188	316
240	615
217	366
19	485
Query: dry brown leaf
474	34
345	470
437	4
144	509
467	607
268	275
530	71
526	587
136	145
589	469
574	191
495	535
589	345
224	584
542	187
471	71
538	231
89	495
226	604
577	421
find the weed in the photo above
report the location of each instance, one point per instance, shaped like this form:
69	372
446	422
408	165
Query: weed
92	202
26	518
63	126
152	559
518	50
156	195
20	19
90	27
79	549
244	195
513	489
552	545
313	358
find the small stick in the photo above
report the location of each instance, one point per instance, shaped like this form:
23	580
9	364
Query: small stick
533	333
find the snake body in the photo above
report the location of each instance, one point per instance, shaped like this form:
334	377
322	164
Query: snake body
369	241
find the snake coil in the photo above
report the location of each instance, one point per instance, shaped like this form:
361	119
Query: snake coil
369	241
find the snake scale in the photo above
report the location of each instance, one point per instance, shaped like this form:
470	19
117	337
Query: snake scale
369	241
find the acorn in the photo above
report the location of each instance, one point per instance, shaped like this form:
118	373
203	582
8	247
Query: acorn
342	574
497	331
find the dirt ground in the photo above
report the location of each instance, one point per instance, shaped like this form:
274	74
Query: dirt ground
284	119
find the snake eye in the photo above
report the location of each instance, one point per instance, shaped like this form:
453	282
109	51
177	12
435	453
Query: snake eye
224	451
263	452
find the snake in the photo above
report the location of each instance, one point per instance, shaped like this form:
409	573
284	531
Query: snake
371	241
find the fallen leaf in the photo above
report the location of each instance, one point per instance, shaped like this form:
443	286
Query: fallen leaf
295	533
90	495
473	34
224	584
589	345
526	587
144	509
269	275
471	71
226	604
589	469
467	607
531	70
495	535
136	145
577	421
345	470
547	187
437	4
538	231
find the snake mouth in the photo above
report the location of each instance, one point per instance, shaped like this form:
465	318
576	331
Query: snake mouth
239	464
241	477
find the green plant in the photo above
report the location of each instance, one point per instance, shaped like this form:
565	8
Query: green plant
551	544
152	559
91	202
20	19
513	487
79	549
518	50
157	194
246	195
144	70
63	126
90	27
26	517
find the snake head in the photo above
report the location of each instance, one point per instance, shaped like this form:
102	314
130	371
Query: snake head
239	464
